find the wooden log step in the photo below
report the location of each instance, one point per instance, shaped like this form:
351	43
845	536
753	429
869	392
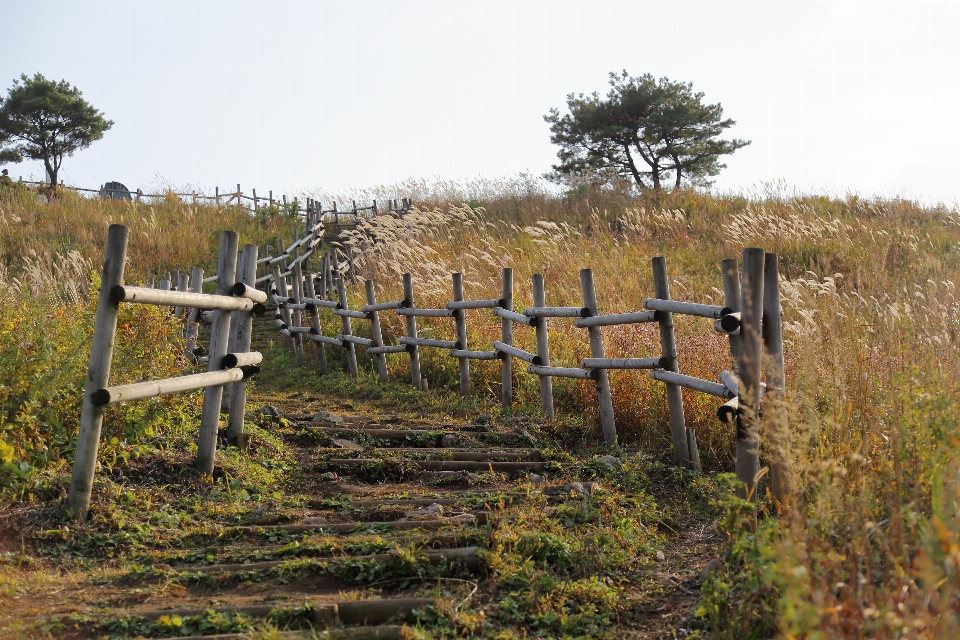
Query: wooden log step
353	633
480	518
398	502
446	465
445	539
465	455
447	494
402	434
377	611
370	611
467	554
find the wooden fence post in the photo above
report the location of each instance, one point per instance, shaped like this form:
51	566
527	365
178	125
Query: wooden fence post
280	284
183	283
315	321
193	316
668	345
543	346
375	332
731	300
328	275
774	400
98	373
460	323
241	329
751	316
596	350
219	333
297	282
349	347
506	336
412	333
353	264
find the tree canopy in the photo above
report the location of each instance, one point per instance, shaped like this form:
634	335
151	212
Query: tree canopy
647	130
46	120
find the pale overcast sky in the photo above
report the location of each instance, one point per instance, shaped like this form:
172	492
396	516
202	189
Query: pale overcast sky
298	96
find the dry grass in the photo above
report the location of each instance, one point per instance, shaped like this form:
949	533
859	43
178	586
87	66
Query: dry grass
871	328
164	236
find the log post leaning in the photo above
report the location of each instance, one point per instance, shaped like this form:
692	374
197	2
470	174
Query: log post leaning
668	345
604	396
774	413
506	336
412	333
349	347
749	366
98	373
315	320
375	332
460	323
219	333
241	331
543	346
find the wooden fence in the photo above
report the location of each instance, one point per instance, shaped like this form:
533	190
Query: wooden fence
230	360
750	318
335	220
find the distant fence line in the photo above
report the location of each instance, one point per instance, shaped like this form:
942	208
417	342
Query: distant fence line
338	219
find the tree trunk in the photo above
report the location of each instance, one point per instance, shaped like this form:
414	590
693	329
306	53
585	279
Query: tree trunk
655	173
52	171
631	165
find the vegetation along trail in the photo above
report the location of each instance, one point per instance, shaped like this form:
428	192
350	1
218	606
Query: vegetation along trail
371	509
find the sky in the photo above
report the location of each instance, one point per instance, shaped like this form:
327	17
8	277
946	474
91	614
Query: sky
837	97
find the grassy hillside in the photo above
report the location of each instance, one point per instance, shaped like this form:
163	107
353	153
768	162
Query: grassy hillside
871	329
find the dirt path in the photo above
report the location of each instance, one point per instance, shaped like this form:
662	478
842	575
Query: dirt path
378	525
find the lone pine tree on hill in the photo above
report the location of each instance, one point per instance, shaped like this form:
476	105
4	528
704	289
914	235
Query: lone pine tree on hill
46	120
651	131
